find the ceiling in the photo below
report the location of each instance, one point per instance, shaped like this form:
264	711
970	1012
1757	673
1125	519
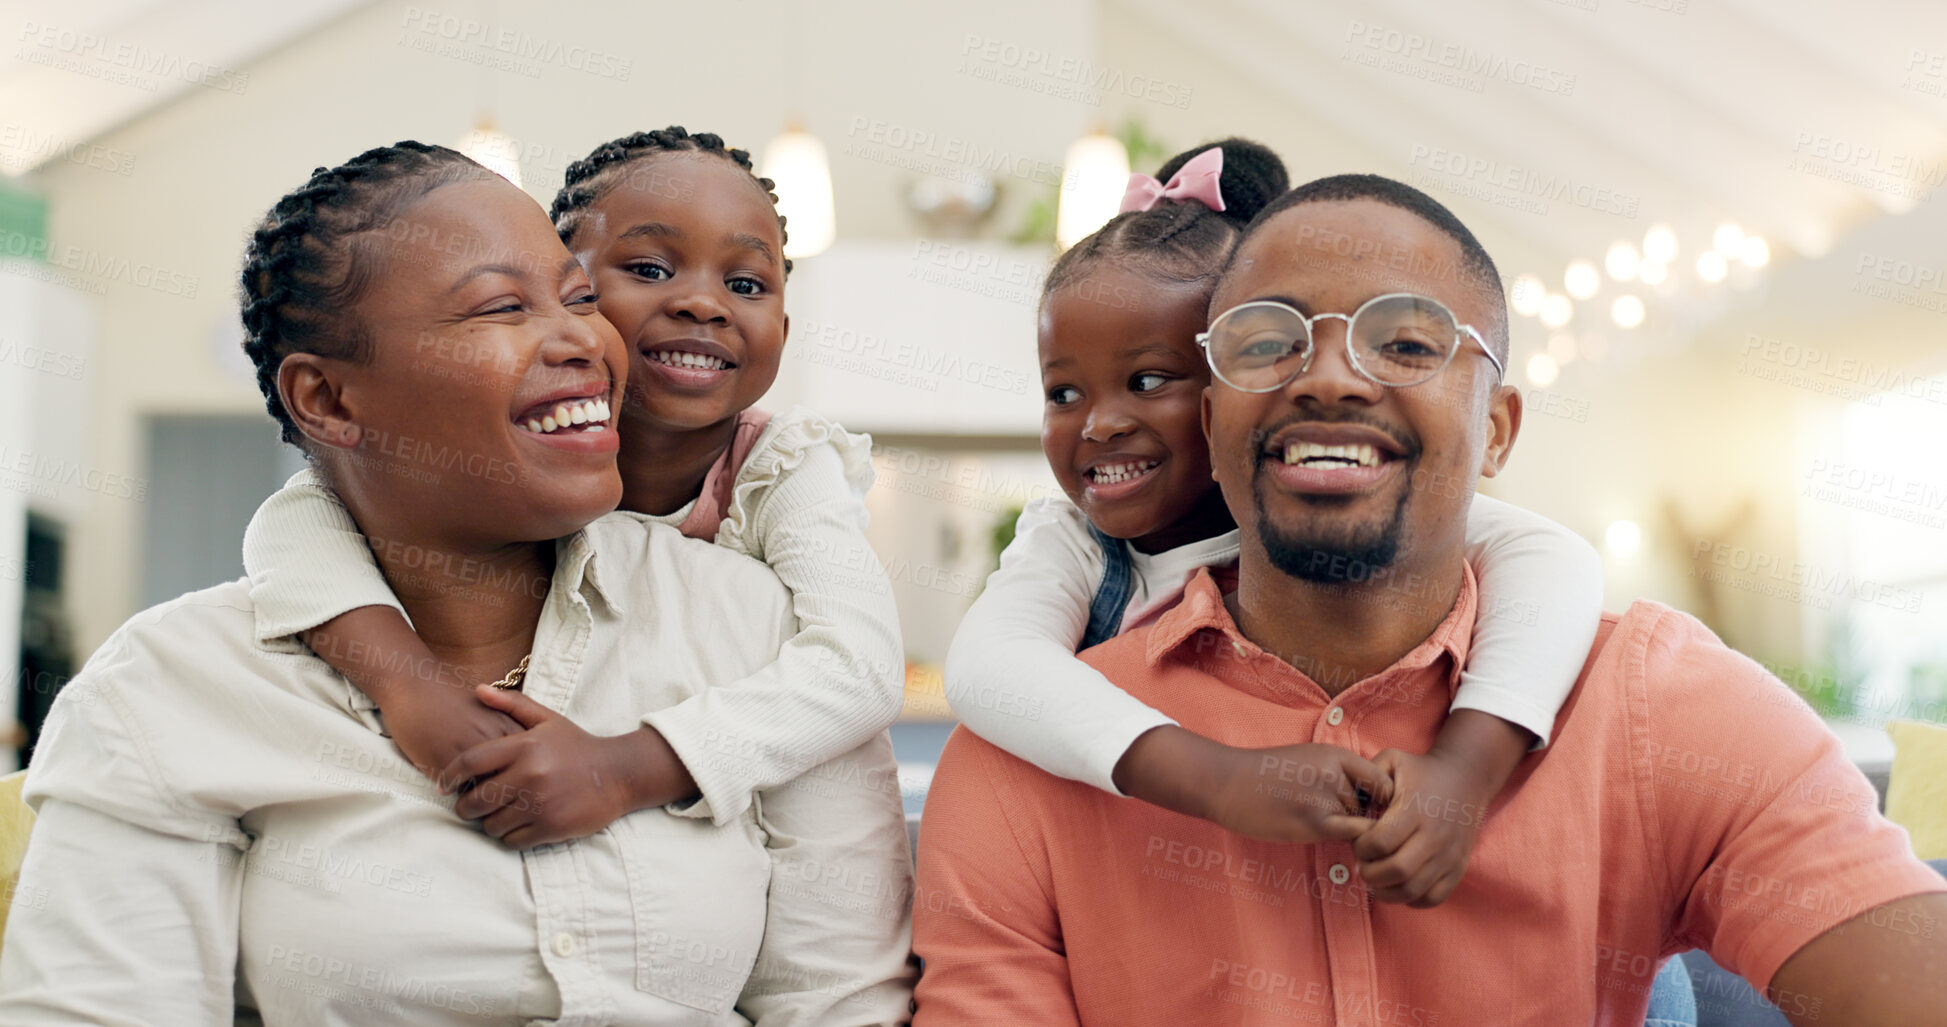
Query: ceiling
72	71
1561	125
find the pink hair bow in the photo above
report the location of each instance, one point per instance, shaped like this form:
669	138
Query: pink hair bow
1195	180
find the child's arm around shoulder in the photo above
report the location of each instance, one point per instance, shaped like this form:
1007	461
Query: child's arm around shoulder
1011	673
312	574
307	560
1539	609
1540	606
799	506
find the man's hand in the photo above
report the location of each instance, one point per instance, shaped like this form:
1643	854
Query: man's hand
1418	851
432	723
554	781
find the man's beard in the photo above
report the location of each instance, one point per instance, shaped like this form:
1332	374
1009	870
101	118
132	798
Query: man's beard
1355	553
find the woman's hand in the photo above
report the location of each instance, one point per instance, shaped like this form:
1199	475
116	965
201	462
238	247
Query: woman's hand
432	723
554	782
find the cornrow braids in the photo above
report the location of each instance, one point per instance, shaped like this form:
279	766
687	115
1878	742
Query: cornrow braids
1181	242
591	177
304	268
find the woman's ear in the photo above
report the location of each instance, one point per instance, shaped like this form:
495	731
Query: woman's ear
311	387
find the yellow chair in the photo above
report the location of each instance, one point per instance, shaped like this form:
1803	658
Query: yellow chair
1916	791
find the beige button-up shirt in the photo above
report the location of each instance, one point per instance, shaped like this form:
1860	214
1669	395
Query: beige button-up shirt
224	826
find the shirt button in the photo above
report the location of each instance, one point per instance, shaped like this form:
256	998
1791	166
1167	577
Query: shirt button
1340	874
1334	715
564	944
1238	648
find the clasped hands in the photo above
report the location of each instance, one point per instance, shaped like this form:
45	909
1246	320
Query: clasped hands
530	775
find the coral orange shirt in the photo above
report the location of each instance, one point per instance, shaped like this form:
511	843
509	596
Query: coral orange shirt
1689	800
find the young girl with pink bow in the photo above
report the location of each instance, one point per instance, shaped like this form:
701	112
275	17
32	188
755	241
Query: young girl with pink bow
1122	430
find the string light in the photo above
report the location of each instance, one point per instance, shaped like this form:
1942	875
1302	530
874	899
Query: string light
1581	279
1526	294
1556	310
1623	261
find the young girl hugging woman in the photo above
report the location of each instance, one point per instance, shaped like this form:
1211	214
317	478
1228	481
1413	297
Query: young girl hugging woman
686	250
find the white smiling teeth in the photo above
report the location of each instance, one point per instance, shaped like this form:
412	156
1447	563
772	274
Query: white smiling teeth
1351	456
590	415
1111	474
689	361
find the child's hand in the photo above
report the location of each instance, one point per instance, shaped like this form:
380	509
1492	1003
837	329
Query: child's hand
432	724
554	781
1296	793
1418	850
549	783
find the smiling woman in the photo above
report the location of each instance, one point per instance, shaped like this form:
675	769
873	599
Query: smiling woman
224	823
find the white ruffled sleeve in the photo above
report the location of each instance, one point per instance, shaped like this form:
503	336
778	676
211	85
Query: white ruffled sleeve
1011	673
307	560
798	505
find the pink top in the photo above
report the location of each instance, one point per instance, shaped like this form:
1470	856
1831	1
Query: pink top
707	514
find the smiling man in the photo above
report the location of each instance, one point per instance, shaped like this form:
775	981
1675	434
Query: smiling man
1689	800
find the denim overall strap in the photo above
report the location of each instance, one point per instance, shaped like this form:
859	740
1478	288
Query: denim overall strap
1672	1002
1112	596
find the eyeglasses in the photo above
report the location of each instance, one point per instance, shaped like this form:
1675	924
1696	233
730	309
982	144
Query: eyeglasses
1396	340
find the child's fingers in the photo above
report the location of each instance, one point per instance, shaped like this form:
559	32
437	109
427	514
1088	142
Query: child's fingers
492	794
516	705
504	820
1358	773
1399	868
1380	791
1342	828
1440	891
523	838
1389	833
489	757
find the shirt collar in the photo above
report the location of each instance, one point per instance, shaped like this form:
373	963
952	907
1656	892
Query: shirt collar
1202	609
580	565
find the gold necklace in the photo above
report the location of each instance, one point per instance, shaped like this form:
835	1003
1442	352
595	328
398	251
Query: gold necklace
516	676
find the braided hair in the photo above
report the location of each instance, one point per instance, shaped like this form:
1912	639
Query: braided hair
591	177
305	267
1181	241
